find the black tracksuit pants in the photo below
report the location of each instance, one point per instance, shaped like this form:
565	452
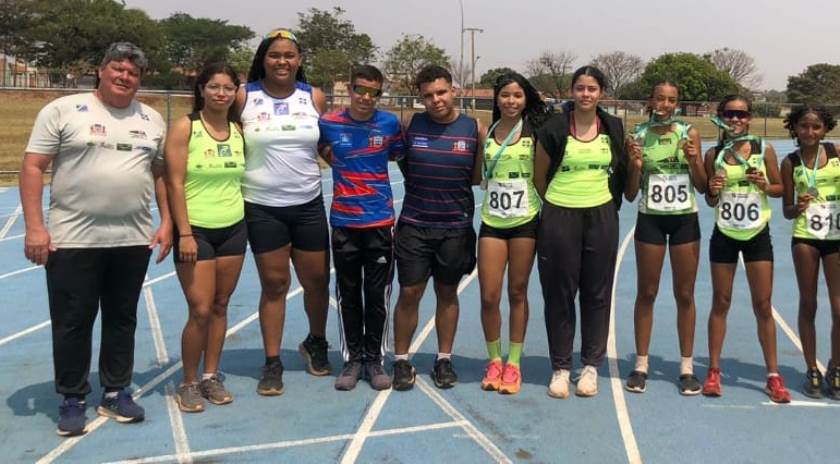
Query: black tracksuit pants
364	268
577	251
79	282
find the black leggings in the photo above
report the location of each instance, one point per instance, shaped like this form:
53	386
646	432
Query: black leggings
577	250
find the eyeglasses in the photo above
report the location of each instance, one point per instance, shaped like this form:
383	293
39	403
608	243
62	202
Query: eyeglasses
732	114
283	34
216	88
372	92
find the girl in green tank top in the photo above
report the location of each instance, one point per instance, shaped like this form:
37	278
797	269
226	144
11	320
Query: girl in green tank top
509	223
666	166
743	171
204	165
812	199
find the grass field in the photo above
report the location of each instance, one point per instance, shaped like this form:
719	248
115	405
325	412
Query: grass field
20	108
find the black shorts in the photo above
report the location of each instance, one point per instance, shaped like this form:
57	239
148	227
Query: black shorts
825	247
215	243
658	229
273	227
527	230
723	249
445	254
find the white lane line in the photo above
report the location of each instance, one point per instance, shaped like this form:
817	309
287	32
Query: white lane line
11	221
469	427
19	271
786	328
627	435
803	404
179	432
24	333
69	443
13	237
289	444
154	324
147	286
354	448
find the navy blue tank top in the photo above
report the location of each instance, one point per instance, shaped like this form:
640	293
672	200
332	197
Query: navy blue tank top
439	166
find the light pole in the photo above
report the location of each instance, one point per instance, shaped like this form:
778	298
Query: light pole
461	61
472	31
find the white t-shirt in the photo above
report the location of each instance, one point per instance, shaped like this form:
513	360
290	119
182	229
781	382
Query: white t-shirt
281	147
102	182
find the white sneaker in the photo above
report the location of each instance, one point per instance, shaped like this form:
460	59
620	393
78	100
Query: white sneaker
587	384
559	386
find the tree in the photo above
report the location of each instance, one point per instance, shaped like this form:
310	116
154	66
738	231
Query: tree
551	71
332	46
819	83
738	64
620	69
698	78
241	59
192	42
488	79
71	35
17	19
407	57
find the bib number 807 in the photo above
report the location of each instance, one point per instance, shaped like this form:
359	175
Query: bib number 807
506	200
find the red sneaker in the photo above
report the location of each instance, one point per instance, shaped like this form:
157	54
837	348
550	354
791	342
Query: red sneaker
776	390
492	376
511	380
712	385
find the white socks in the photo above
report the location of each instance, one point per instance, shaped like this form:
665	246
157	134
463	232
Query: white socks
641	363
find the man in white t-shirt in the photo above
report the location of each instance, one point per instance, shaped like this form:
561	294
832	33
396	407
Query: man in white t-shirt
106	151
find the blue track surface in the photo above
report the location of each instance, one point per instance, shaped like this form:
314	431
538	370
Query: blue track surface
311	422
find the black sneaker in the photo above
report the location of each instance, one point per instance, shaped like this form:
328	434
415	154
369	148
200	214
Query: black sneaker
314	351
812	387
832	381
122	409
71	417
636	382
443	374
404	375
690	385
271	383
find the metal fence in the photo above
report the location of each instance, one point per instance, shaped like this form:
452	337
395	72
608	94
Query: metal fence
19	106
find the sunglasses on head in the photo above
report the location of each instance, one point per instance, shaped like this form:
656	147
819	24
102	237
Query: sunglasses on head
283	34
365	90
732	114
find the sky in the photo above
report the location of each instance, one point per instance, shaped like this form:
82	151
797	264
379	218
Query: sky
784	37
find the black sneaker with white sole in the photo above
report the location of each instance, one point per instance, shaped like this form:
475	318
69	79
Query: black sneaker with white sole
636	382
404	375
443	374
690	385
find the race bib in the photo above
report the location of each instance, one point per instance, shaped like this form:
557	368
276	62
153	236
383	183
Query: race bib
507	199
669	192
824	220
739	211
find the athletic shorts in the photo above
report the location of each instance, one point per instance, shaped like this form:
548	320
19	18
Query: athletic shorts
658	229
527	230
445	254
273	227
724	249
215	243
825	247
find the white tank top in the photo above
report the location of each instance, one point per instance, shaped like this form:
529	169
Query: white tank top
281	147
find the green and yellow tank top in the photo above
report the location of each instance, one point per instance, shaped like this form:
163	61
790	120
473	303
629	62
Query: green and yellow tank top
742	211
821	221
582	179
213	182
666	187
511	199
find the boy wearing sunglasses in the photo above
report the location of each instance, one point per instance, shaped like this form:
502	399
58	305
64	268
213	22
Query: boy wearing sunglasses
358	142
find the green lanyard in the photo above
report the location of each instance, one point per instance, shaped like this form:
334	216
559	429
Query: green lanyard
642	129
729	146
812	180
488	171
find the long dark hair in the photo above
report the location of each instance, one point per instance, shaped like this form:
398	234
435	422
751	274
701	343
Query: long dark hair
535	112
592	72
207	73
257	71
